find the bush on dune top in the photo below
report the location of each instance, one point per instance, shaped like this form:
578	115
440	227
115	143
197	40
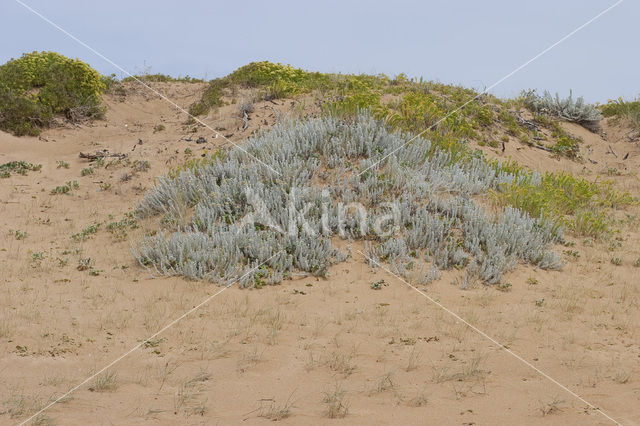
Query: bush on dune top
39	85
577	111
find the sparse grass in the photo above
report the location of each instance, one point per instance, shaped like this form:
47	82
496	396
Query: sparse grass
621	377
341	363
105	382
383	384
141	166
18	404
62	164
414	359
552	407
159	128
249	358
419	400
276	412
336	404
188	398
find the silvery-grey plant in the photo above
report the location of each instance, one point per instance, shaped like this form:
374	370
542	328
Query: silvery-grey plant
577	111
413	206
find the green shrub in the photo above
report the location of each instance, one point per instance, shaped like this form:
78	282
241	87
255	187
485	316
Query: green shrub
622	110
566	145
212	97
576	203
39	85
279	80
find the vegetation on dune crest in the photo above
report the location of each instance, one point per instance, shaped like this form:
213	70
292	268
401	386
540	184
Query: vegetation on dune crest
39	85
445	114
623	111
162	78
576	111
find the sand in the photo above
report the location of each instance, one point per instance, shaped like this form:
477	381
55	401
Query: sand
307	349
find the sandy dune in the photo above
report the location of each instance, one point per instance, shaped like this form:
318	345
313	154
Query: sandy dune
308	349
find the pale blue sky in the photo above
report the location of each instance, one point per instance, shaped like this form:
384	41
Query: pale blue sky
473	43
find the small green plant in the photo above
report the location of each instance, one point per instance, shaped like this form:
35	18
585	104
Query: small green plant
119	229
636	263
87	171
37	255
19	235
66	188
94	272
572	253
616	261
566	145
540	303
378	285
86	233
158	128
62	164
19	167
532	281
504	287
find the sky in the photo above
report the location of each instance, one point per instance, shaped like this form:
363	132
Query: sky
473	43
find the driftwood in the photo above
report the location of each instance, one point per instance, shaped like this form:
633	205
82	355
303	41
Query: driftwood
245	119
544	148
97	155
526	123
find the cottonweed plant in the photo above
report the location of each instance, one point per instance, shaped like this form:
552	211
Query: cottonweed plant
416	207
568	109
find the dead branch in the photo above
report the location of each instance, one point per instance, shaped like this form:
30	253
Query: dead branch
99	154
